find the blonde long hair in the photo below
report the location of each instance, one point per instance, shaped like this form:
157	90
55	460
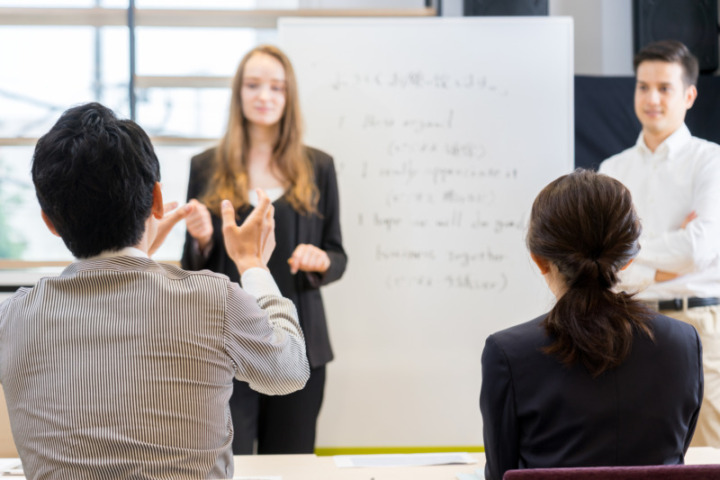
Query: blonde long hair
230	177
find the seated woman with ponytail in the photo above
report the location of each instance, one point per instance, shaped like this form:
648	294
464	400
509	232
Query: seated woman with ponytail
599	380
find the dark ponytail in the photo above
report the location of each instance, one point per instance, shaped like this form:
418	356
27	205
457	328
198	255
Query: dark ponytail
584	223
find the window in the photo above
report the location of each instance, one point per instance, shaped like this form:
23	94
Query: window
74	51
62	65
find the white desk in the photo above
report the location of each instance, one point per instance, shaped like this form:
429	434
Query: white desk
702	456
310	467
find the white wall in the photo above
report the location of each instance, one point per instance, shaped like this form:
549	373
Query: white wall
603	28
603	34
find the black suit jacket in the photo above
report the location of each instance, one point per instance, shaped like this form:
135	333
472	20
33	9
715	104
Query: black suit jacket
539	413
321	230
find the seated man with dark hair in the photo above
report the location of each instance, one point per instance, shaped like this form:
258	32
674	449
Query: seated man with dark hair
122	367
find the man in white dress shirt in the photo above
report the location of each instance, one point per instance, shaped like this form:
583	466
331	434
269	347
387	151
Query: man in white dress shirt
674	179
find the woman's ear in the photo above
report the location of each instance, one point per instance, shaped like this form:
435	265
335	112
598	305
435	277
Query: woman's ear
49	223
542	264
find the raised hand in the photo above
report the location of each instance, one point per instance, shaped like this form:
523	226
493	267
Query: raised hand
171	216
251	244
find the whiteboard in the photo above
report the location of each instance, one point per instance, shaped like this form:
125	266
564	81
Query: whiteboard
443	131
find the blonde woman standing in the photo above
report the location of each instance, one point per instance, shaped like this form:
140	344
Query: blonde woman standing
262	148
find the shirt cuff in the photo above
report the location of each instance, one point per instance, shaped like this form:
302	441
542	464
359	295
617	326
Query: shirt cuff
258	282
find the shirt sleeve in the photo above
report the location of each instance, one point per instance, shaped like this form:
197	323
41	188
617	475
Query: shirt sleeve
636	277
263	336
497	405
3	307
696	246
607	167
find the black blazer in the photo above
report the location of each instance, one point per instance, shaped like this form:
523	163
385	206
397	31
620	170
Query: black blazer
539	413
321	230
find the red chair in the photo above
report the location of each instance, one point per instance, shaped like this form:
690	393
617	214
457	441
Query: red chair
650	472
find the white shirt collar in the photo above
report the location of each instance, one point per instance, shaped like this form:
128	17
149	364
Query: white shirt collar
670	146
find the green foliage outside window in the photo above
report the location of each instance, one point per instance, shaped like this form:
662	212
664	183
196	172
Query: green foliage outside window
12	244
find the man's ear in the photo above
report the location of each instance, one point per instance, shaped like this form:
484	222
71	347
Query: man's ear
542	264
158	210
48	223
690	96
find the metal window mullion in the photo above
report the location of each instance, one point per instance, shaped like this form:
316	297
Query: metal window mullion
131	38
97	81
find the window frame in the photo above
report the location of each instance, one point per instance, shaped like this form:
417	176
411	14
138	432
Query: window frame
132	18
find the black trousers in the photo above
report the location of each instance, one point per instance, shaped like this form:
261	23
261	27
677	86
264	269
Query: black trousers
280	423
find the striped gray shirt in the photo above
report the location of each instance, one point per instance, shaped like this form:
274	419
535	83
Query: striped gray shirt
122	367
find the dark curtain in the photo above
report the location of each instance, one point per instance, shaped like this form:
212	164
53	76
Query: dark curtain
605	121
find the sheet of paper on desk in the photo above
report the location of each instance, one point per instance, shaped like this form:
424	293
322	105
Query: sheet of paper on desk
478	475
403	460
11	467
